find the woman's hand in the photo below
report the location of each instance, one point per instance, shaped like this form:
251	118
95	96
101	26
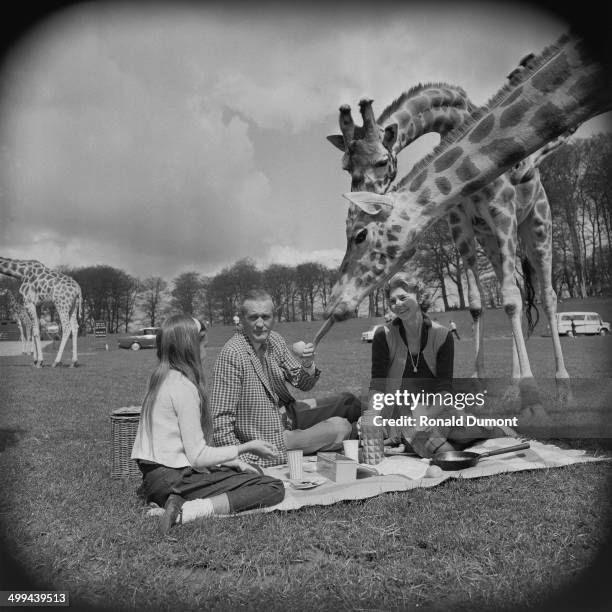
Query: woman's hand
261	448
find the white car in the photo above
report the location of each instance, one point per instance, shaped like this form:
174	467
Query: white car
368	336
584	323
49	331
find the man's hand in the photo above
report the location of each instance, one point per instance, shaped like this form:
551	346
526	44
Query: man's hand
305	351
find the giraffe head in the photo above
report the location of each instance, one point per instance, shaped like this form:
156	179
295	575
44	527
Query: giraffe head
378	242
368	155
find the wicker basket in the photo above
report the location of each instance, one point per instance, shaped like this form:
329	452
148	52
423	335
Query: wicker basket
124	423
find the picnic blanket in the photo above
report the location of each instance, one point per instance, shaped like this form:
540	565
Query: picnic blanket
402	473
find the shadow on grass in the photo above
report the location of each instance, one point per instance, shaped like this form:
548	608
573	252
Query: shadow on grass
10	437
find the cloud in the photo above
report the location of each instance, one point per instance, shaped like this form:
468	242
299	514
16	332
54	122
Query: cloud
292	256
189	136
103	160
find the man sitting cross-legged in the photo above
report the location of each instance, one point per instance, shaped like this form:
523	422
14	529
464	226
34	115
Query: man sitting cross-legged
250	399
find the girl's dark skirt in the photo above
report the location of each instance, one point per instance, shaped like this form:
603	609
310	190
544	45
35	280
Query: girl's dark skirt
245	490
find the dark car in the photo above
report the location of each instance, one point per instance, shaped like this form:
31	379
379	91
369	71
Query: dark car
144	338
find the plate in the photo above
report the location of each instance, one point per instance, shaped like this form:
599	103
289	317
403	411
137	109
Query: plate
308	483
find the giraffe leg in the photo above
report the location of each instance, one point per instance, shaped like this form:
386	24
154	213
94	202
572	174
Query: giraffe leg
21	335
532	409
462	233
512	302
29	344
491	246
64	316
36	345
531	405
536	235
523	386
516	366
512	395
477	312
74	330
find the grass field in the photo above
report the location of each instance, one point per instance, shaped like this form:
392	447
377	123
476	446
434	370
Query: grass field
504	542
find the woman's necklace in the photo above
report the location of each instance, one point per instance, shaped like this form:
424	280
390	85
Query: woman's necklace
415	366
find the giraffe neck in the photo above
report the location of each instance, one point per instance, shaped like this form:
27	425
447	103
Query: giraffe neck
13	267
436	107
564	88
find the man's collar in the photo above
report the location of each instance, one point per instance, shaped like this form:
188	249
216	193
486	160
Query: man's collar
250	343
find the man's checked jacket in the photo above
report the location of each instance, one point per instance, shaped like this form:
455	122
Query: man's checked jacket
246	403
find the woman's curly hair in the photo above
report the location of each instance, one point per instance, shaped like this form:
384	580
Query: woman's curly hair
406	282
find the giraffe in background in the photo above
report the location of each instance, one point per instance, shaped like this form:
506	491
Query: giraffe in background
40	284
18	311
562	88
514	204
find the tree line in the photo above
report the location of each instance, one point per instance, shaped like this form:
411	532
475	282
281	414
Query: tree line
579	187
118	298
578	181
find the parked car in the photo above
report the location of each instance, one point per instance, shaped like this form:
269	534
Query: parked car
584	323
144	338
368	336
52	329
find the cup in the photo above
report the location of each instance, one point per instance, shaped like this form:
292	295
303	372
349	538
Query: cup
294	458
351	449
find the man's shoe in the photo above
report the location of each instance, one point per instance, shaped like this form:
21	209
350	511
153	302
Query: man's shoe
172	510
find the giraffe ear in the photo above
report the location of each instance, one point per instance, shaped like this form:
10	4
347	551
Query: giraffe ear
338	141
390	136
370	203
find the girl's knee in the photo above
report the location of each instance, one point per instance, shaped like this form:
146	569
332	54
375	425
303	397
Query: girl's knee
278	493
275	489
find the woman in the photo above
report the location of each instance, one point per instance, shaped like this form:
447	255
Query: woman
414	354
172	445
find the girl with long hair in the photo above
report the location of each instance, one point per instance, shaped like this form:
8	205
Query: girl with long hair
173	445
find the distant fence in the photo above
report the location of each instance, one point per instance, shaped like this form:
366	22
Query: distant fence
9	330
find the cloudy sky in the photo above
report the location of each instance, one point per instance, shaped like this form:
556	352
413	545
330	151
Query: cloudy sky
163	138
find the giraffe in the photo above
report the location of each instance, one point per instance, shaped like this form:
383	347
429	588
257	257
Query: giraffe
39	284
561	89
513	203
19	312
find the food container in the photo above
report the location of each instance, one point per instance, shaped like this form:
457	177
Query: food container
372	439
337	467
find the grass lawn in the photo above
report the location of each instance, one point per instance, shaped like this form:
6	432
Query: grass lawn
504	542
